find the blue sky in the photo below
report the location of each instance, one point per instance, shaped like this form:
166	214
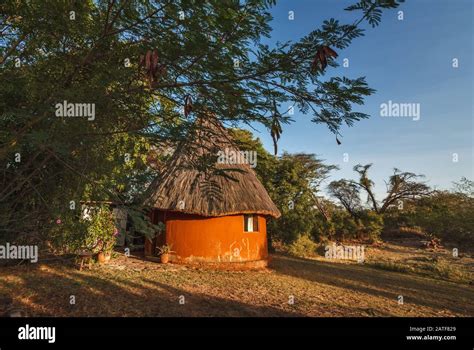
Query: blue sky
407	61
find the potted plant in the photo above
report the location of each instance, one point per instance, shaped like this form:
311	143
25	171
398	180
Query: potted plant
102	257
165	251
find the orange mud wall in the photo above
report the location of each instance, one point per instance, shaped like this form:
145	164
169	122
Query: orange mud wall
214	239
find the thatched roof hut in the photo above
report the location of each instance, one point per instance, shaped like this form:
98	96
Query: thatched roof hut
194	182
211	200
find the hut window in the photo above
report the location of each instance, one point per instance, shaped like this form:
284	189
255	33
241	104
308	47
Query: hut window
250	223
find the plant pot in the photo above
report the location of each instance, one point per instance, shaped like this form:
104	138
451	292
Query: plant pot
103	257
164	258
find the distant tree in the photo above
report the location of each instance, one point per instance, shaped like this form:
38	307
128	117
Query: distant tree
444	214
448	215
348	195
403	185
400	186
366	184
297	181
465	187
368	222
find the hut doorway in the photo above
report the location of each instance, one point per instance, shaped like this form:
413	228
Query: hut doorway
152	245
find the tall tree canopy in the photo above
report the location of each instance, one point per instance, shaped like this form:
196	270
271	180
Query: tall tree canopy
147	68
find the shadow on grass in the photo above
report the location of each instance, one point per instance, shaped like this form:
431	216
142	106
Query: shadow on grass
47	291
436	294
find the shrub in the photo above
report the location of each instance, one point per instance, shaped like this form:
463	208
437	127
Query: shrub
390	266
368	225
101	231
371	225
345	226
292	223
303	247
446	215
446	270
67	234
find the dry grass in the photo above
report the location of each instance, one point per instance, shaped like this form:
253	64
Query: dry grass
407	255
133	287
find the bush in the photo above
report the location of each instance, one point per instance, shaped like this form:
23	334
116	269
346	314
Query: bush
323	230
446	270
303	247
368	225
445	215
67	234
101	231
371	225
345	226
292	224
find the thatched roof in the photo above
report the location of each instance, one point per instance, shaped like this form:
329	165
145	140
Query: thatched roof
194	182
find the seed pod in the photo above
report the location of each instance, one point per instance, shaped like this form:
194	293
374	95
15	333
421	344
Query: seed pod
148	60
322	59
188	107
154	64
329	52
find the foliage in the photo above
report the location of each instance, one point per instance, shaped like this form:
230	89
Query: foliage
296	179
266	163
293	182
400	186
141	223
344	226
165	249
66	235
371	225
367	225
443	214
368	221
101	233
89	52
348	194
303	247
464	187
409	202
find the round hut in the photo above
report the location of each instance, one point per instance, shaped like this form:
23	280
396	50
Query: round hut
212	204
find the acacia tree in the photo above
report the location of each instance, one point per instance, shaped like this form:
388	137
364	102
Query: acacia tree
148	68
348	195
366	184
400	186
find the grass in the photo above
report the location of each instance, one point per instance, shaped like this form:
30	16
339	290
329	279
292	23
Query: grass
406	256
445	269
390	266
134	287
